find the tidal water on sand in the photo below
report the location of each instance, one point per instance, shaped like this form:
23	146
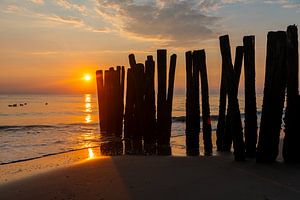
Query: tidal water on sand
33	126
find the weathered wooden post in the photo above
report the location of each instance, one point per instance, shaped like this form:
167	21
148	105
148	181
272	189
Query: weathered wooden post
164	106
139	108
192	104
233	105
101	98
150	111
292	137
250	96
274	94
206	121
129	124
222	110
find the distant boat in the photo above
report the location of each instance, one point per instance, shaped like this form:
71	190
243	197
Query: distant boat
21	104
15	105
25	104
10	105
46	103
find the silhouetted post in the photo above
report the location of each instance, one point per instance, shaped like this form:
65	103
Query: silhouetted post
163	105
169	101
192	104
233	105
250	96
101	98
139	108
222	110
274	93
206	121
150	111
291	146
129	124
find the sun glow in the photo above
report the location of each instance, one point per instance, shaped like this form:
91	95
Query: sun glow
91	153
87	77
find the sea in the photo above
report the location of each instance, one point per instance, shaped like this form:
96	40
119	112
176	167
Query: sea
34	126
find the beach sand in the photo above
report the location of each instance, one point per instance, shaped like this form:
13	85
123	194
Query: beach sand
158	177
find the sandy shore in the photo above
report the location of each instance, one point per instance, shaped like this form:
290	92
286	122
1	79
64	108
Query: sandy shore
154	177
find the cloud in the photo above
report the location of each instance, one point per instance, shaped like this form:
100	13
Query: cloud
12	9
71	5
167	21
37	1
285	3
69	20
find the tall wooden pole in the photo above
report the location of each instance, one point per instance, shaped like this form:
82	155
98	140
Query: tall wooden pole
169	100
129	124
274	94
206	121
250	96
192	133
164	104
100	93
235	117
222	110
150	110
291	146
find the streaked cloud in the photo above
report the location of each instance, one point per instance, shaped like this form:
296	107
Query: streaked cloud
286	3
37	1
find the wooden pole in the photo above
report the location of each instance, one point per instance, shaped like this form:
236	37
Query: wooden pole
169	102
274	94
222	110
100	93
129	123
234	115
206	121
161	101
250	96
150	111
192	135
292	137
139	107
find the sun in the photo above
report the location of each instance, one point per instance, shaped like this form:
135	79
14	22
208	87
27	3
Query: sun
87	77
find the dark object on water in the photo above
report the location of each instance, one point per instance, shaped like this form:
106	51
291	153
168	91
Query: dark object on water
232	80
46	104
15	105
10	105
274	94
291	140
21	104
250	96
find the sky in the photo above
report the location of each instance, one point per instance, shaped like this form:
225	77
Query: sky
46	46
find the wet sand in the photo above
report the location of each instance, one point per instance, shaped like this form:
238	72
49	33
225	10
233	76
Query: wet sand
155	177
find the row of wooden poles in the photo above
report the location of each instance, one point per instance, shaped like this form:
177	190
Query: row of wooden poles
147	130
281	75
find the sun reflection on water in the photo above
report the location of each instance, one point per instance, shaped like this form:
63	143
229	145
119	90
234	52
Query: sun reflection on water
88	108
91	153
